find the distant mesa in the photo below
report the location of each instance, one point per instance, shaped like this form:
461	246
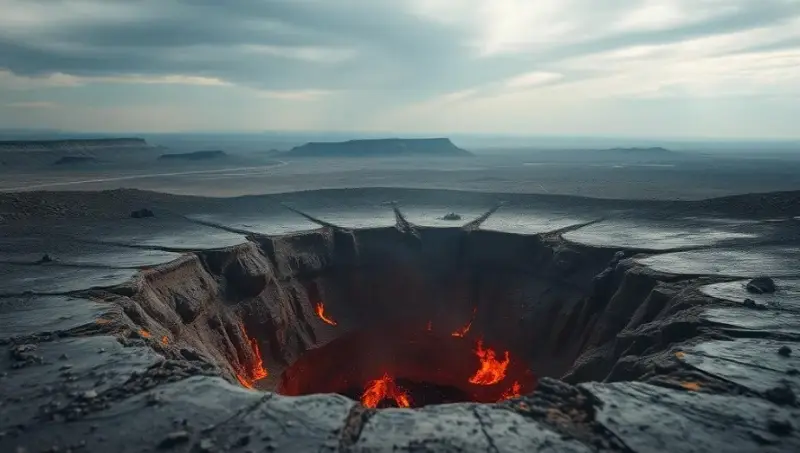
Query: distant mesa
387	147
76	153
196	155
76	160
90	144
652	150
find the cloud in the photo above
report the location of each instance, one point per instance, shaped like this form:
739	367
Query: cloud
312	54
33	105
12	81
295	95
532	79
397	55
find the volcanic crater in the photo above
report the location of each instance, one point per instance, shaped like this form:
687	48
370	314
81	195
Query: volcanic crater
405	316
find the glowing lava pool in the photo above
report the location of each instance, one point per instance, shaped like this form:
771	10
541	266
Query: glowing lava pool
405	367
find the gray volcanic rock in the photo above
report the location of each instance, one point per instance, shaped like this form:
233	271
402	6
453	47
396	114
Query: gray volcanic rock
142	213
761	285
389	147
107	355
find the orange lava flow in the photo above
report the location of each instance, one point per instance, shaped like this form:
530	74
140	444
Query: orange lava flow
321	313
460	333
165	340
257	370
381	389
513	392
492	370
691	386
244	381
144	333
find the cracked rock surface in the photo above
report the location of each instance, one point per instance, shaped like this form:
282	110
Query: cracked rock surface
130	338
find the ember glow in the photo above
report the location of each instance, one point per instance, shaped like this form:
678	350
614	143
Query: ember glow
382	389
321	313
513	392
691	386
257	370
165	340
460	333
144	333
491	370
244	381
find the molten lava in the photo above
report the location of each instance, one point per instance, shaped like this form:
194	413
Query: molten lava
144	333
382	389
165	340
460	333
257	370
691	386
513	392
321	313
244	381
491	370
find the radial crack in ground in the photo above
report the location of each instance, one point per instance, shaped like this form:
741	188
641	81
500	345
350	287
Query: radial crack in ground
314	219
475	224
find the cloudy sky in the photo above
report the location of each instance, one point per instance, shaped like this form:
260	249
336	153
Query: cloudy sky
660	68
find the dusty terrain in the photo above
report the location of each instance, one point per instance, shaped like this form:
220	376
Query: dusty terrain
254	168
566	301
144	333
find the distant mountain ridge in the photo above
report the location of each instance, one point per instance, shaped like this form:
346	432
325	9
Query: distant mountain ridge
650	150
383	147
91	144
195	155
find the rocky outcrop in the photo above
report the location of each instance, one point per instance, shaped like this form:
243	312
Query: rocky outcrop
389	147
761	285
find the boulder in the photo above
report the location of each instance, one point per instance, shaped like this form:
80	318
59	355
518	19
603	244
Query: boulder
142	213
761	285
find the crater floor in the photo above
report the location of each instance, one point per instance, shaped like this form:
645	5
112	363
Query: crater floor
141	334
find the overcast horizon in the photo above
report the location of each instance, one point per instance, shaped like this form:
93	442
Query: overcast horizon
669	69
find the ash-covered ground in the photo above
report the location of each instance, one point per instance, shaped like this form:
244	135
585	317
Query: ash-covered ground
135	321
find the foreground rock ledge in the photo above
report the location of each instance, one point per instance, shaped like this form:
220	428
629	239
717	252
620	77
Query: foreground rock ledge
659	364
